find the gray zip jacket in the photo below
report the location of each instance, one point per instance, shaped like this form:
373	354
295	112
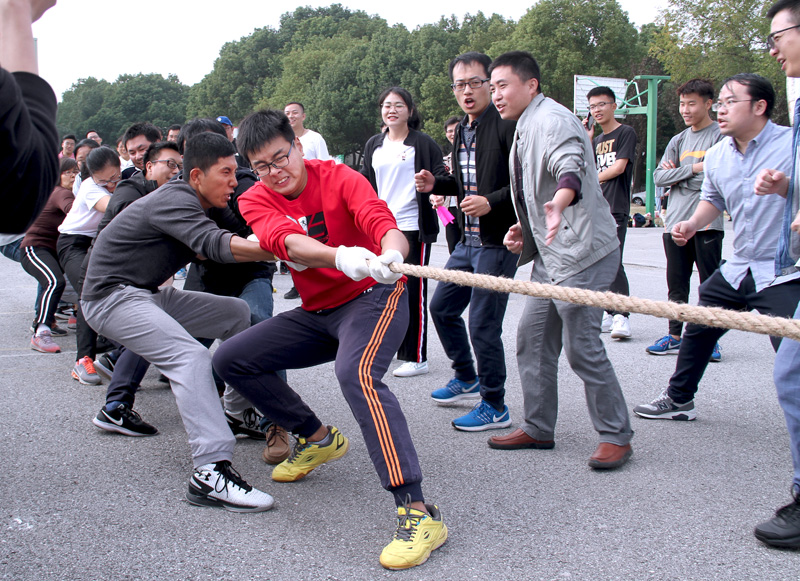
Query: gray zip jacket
551	142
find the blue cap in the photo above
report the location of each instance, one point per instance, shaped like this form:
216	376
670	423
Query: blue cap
224	120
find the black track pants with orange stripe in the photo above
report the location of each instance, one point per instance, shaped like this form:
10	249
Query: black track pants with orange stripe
361	336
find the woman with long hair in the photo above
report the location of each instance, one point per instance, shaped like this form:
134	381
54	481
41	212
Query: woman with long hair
391	159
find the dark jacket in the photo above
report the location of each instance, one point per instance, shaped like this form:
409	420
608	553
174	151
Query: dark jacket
28	148
126	193
493	142
427	155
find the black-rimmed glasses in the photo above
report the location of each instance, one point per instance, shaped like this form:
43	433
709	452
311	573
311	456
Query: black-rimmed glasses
279	163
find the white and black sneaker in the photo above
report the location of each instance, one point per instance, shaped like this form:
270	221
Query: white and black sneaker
123	420
219	485
248	424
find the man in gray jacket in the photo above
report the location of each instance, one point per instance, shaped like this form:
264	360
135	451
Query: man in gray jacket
566	227
139	250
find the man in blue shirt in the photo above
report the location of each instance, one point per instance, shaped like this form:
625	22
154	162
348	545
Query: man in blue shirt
783	530
747	280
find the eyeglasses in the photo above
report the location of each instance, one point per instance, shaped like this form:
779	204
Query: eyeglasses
171	163
728	103
72	172
395	106
473	84
599	105
104	183
279	163
771	37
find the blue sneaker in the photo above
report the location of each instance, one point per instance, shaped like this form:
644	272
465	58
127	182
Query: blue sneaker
456	390
664	345
483	417
716	355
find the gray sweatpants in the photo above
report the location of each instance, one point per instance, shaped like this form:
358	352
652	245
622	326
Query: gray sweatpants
548	325
160	327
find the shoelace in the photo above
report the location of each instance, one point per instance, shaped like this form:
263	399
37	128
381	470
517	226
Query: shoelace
272	435
128	413
407	523
251	418
88	364
228	474
298	449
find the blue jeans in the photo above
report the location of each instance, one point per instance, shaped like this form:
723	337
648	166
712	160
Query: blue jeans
12	252
486	312
787	384
258	295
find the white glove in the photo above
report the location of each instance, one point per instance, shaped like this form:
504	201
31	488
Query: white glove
379	267
352	261
253	238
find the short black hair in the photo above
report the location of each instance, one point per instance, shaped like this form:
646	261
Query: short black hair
101	157
758	89
469	58
150	131
602	92
792	6
174	127
414	121
522	64
91	131
198	126
451	121
204	151
702	87
69	136
302	107
156	148
262	127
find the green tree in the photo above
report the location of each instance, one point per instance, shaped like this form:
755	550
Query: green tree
569	37
692	44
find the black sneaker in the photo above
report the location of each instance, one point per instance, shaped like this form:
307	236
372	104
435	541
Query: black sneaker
123	420
292	294
104	365
782	530
57	331
248	425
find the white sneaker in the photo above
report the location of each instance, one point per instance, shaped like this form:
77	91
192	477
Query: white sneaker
608	321
411	368
219	485
621	328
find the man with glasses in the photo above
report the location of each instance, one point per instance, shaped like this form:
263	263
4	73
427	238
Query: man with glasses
783	530
681	170
615	150
326	220
747	280
481	146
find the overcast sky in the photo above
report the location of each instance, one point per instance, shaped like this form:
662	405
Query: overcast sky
107	38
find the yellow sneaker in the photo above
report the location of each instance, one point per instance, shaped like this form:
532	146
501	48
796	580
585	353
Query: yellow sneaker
306	456
416	536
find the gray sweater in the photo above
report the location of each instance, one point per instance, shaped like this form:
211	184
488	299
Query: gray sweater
151	239
685	149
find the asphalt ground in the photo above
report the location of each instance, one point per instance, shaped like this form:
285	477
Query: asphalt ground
79	503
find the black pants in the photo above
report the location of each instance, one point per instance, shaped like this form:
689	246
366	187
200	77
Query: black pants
698	341
704	250
620	284
415	344
72	251
42	264
361	336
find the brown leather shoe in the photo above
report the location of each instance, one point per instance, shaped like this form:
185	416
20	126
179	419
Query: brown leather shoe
609	456
278	448
517	440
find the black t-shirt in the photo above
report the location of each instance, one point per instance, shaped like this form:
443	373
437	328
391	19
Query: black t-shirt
619	144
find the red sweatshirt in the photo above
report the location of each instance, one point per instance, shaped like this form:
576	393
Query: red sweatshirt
338	207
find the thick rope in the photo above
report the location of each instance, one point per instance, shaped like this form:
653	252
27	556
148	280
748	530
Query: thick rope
708	316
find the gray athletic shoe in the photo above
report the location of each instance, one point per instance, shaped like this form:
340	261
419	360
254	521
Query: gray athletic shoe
663	408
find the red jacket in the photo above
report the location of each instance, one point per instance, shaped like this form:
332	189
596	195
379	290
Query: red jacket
338	207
